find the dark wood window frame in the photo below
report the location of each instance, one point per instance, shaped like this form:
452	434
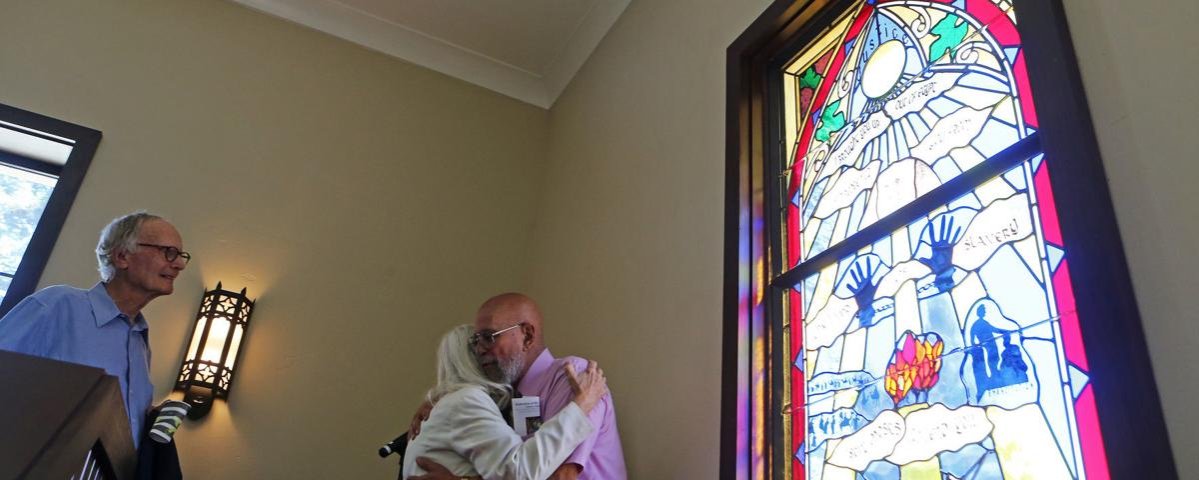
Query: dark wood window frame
70	177
1129	409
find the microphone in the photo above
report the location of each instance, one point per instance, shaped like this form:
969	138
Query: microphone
395	446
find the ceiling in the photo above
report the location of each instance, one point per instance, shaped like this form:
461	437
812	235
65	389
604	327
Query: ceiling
525	49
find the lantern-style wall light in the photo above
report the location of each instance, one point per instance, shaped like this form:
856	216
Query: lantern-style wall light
208	367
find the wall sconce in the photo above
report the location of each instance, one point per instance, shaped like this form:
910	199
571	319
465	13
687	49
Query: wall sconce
207	370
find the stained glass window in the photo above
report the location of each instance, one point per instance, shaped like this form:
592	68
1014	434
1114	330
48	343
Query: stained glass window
948	345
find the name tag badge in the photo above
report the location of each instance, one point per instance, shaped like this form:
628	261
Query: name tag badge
526	415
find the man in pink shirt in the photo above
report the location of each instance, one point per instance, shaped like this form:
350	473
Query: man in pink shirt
510	347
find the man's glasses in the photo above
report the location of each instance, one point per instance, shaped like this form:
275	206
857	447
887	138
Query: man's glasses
486	339
170	252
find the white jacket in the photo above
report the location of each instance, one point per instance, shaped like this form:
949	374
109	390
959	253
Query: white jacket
466	434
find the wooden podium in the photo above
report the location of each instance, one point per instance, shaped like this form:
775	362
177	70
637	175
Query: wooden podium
62	420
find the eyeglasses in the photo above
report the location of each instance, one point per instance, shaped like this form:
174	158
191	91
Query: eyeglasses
171	253
485	339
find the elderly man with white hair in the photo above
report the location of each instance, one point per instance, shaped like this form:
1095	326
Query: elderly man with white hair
139	256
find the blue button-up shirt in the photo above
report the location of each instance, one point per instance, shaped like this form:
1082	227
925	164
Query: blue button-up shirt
85	326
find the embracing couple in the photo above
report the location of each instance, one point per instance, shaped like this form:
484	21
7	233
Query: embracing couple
498	370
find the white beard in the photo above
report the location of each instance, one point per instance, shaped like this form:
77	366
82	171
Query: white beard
506	372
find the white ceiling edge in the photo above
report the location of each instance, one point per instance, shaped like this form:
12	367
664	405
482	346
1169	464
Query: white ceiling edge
586	37
410	45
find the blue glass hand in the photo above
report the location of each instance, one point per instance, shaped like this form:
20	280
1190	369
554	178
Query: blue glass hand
863	287
942	239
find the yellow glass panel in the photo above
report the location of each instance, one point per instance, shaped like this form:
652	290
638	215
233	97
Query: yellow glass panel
926	470
1025	446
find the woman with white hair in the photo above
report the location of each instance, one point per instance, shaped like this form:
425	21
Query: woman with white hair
467	434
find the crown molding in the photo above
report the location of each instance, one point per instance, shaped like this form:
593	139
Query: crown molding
540	89
587	36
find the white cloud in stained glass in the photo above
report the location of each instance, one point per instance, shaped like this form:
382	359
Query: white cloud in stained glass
930	431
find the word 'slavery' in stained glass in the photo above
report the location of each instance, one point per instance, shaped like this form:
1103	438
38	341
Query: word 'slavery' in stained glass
948	348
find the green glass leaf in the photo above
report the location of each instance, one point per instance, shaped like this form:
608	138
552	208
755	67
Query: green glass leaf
809	78
831	121
949	31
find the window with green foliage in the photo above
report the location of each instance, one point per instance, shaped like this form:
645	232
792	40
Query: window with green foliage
24	193
42	164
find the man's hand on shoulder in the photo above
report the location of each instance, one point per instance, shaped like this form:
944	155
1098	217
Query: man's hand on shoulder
568	471
434	471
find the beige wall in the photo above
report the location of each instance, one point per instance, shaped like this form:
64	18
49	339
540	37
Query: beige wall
628	245
367	203
373	203
1138	66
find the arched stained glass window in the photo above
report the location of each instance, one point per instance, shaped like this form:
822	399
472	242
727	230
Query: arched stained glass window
956	318
904	302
